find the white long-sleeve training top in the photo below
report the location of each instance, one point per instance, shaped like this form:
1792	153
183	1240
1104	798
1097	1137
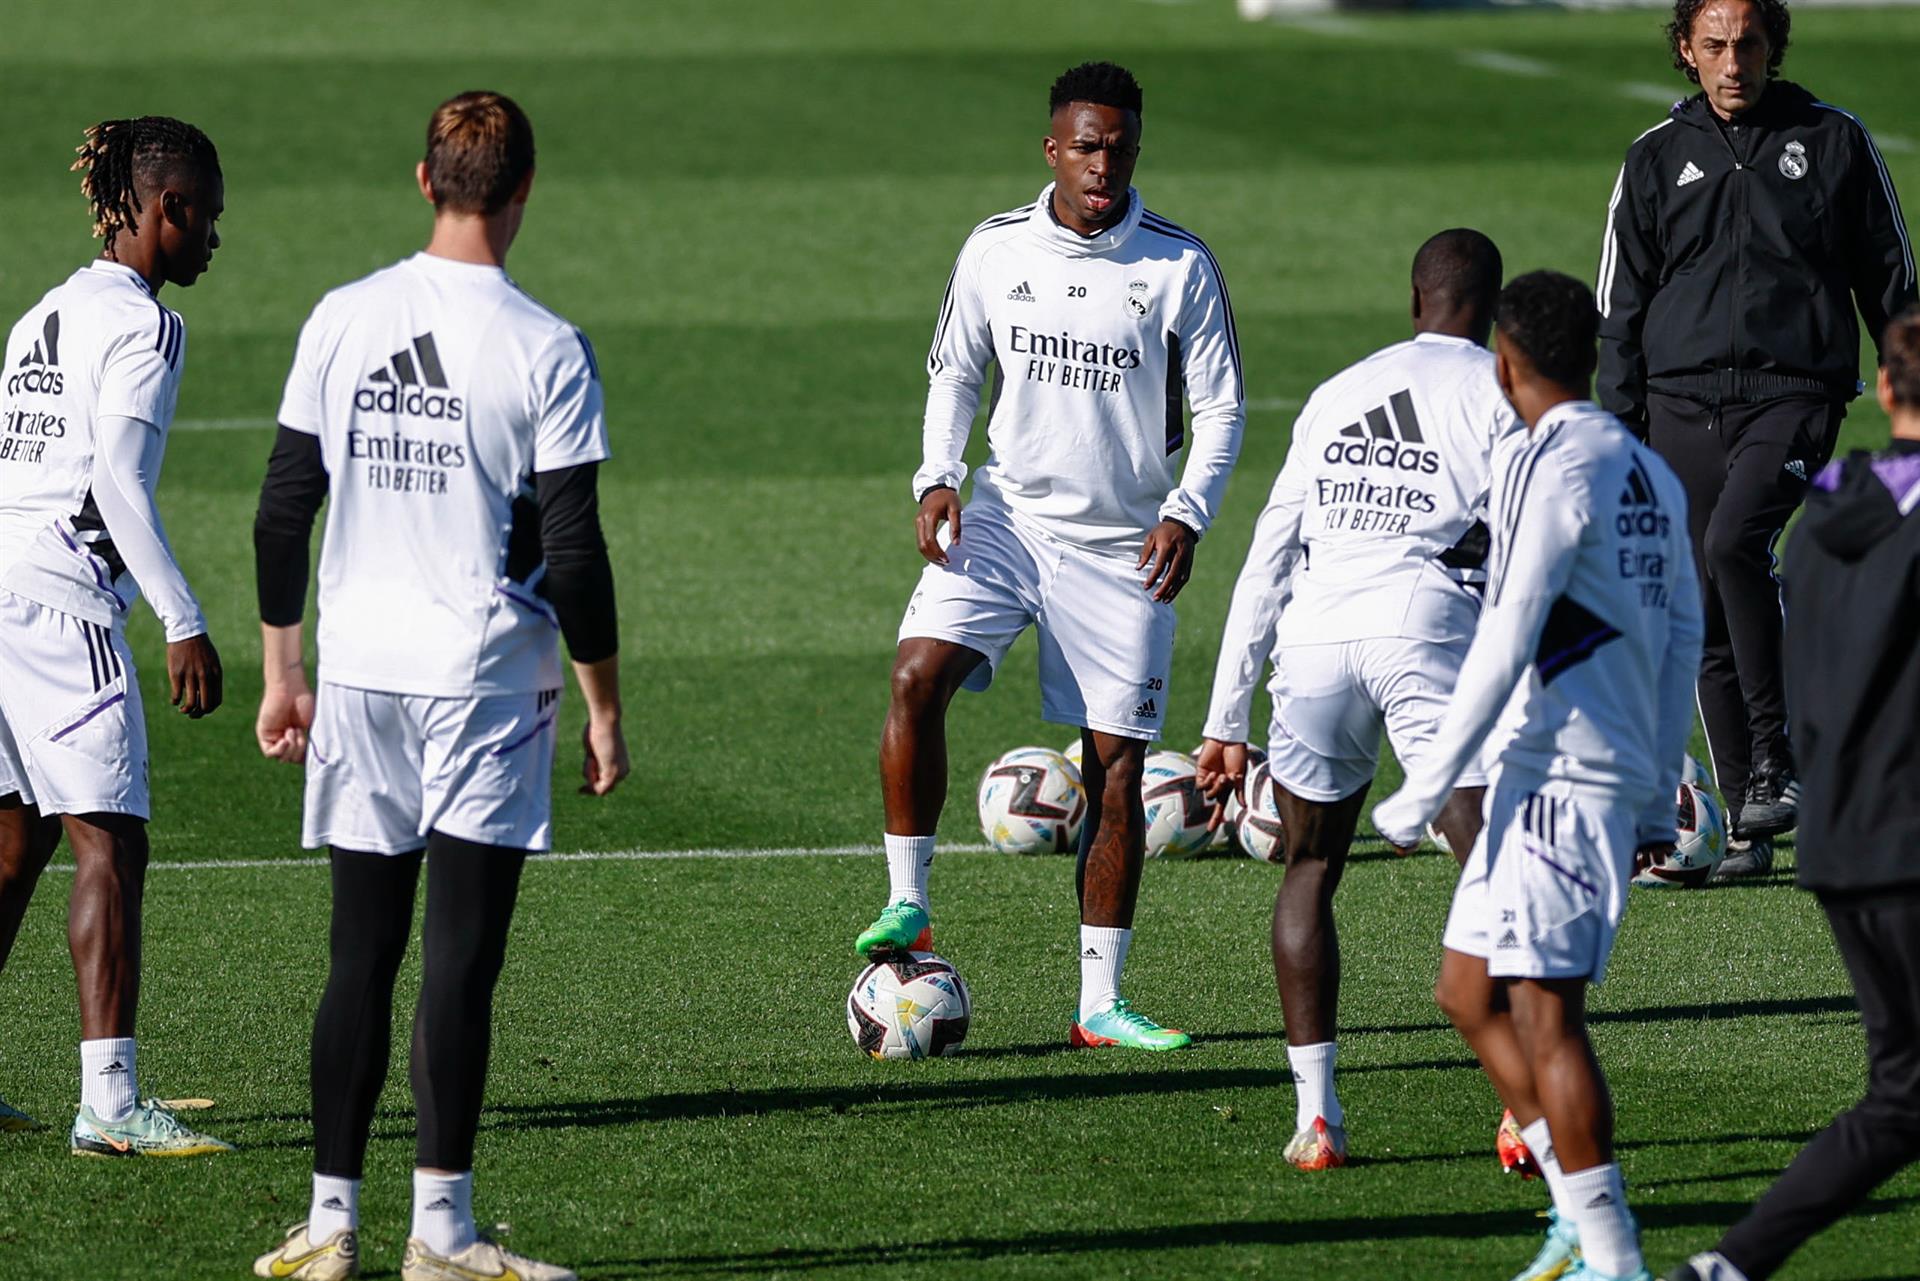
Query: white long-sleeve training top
1589	644
1375	526
1095	341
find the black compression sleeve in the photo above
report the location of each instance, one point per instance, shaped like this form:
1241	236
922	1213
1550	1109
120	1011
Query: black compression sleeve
291	495
579	580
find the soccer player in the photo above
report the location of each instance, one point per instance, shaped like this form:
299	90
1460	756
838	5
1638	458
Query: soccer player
457	426
1590	641
1376	526
1097	314
91	376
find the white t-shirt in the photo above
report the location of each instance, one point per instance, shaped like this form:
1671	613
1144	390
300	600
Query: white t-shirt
437	389
1372	525
98	345
1095	341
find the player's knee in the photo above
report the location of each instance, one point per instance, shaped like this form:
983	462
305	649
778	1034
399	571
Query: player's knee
1123	775
1730	548
918	682
1460	1010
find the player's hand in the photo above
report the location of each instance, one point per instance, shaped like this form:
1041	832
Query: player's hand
193	672
1167	556
1399	821
941	503
286	714
1218	767
606	762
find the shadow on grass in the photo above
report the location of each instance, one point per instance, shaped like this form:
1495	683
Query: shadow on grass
959	1251
1779	1007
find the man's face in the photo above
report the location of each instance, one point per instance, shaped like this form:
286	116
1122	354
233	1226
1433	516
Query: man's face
188	234
1092	151
1728	47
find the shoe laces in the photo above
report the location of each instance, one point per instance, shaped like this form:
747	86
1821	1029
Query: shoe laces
1123	1011
162	1123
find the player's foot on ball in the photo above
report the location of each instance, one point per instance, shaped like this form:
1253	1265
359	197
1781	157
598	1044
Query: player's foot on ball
903	927
1745	858
335	1259
1319	1147
1559	1254
1515	1156
1772	803
148	1130
13	1120
1120	1024
479	1261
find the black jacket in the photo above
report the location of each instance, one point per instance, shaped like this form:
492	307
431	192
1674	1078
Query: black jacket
1852	660
1734	255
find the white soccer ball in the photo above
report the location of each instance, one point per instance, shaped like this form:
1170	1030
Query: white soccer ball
1031	802
1258	828
1177	814
911	1007
1692	771
1700	844
1073	751
1223	835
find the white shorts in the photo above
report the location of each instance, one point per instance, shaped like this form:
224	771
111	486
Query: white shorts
73	735
1105	644
1543	892
385	769
1331	701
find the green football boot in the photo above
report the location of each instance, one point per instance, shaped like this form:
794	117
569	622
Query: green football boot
148	1130
1559	1253
1123	1025
13	1120
903	927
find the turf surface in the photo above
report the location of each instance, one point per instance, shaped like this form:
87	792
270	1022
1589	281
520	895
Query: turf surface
751	207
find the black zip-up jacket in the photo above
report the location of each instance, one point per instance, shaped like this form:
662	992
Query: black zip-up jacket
1735	253
1852	663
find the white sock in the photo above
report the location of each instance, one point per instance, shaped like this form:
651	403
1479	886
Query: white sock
1540	1143
1313	1084
336	1205
107	1084
1608	1239
908	858
443	1211
1103	952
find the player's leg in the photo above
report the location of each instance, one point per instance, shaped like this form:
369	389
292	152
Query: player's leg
27	842
1460	820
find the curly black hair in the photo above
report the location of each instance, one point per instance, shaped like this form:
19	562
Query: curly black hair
1552	319
1105	83
120	157
1773	16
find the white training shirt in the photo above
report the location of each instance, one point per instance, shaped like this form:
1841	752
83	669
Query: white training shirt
437	388
1094	340
1589	645
1385	483
98	346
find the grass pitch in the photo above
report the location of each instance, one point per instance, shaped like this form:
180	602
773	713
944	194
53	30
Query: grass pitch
752	207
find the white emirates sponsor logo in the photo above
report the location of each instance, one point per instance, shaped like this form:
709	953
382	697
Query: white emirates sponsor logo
1691	173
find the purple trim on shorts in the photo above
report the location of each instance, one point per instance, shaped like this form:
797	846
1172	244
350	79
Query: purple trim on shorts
526	602
314	748
525	738
1571	876
84	719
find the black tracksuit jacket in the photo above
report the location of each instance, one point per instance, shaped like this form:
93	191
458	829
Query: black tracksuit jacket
1735	253
1852	659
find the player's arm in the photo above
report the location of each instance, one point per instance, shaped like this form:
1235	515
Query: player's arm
1216	393
290	498
956	370
1881	263
579	586
1630	261
1535	555
1679	671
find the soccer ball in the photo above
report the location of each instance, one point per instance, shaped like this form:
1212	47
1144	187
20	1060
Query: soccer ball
1258	827
909	1008
1177	814
1692	771
1700	844
1072	751
1031	802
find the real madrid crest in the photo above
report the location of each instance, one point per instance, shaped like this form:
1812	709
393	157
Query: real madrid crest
1137	297
1793	161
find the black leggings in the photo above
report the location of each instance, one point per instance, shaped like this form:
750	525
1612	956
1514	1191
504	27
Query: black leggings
470	895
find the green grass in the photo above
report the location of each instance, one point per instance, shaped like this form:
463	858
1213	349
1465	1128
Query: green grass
752	206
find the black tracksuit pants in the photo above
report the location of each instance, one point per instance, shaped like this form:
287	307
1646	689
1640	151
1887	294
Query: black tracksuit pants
1745	467
1880	941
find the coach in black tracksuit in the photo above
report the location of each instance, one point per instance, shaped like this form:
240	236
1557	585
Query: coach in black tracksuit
1853	689
1742	232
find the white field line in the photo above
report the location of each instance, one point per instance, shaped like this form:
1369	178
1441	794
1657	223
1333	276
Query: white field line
586	856
222	424
1895	143
1647	91
1507	63
1273	403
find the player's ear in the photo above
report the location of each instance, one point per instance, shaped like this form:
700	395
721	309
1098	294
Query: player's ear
1052	149
1415	305
525	188
426	184
1883	390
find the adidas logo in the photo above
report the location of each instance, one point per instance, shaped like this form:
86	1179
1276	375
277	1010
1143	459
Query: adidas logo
1146	710
38	368
333	1203
1386	440
1091	954
1021	293
439	1203
404	385
1640	513
1509	939
1691	173
1796	468
115	1068
1600	1202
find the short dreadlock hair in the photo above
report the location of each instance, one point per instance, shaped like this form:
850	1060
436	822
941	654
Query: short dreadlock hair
1773	16
479	151
120	157
1552	319
1106	84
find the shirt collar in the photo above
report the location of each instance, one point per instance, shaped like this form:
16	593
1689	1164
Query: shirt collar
453	268
111	268
1566	411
